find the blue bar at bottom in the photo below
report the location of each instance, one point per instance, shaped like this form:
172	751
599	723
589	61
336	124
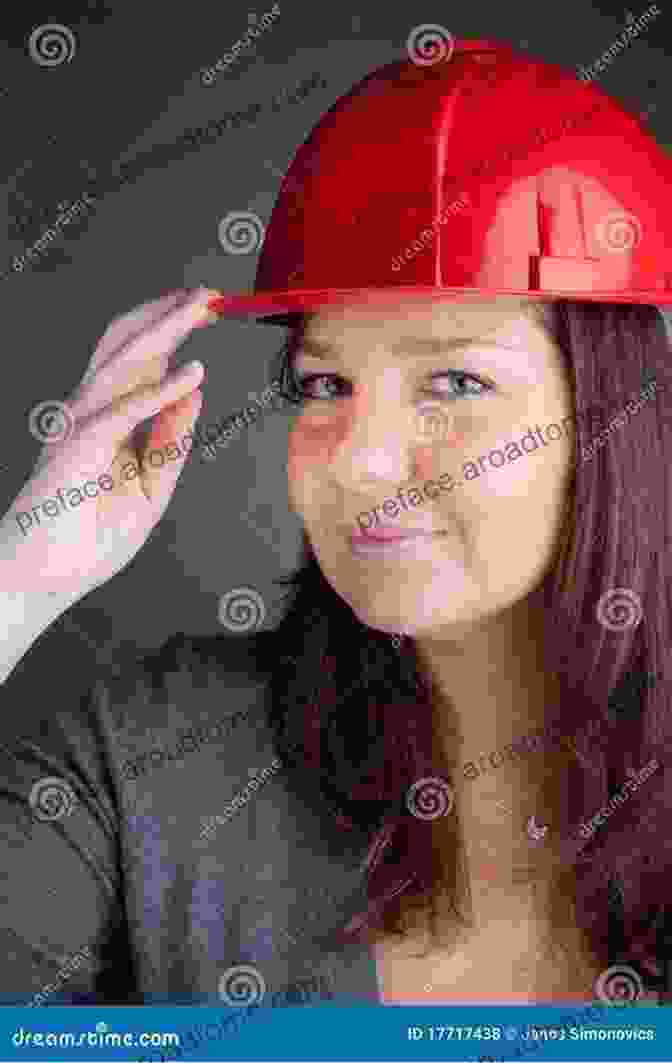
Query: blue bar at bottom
357	1034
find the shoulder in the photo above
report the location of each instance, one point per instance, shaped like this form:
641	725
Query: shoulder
186	663
210	685
203	657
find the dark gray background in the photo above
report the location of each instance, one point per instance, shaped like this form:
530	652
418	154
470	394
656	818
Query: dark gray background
134	82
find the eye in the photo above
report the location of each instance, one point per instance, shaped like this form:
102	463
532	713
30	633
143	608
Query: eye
462	384
300	388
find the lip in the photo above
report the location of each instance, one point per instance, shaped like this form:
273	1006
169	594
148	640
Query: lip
389	531
387	539
388	535
367	546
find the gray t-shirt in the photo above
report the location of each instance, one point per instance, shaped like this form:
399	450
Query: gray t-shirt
153	849
151	843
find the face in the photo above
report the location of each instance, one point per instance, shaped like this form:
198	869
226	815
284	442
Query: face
425	418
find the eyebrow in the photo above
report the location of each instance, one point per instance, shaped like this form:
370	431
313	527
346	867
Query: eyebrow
429	346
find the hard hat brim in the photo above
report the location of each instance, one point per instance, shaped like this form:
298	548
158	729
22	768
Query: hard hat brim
270	303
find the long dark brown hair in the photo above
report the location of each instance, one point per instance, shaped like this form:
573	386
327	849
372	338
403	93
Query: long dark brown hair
354	716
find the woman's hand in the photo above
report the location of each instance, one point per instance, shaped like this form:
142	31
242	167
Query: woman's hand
47	544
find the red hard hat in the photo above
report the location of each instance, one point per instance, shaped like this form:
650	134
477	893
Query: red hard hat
485	173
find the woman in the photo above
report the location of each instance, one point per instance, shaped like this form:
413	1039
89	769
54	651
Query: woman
461	588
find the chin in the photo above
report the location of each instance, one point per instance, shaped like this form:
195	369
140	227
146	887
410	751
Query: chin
391	614
405	598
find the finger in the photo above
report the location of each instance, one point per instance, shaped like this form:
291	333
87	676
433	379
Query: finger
93	394
175	414
144	359
102	443
168	441
115	425
127	326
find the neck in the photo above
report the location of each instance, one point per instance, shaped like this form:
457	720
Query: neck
493	687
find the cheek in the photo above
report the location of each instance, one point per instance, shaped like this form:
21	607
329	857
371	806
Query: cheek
528	481
313	441
515	515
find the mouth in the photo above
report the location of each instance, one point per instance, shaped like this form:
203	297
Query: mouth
390	541
388	535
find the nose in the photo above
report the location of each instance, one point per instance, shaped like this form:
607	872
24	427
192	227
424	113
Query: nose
381	442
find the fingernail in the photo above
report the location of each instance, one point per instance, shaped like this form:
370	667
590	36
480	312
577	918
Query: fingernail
209	318
206	295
